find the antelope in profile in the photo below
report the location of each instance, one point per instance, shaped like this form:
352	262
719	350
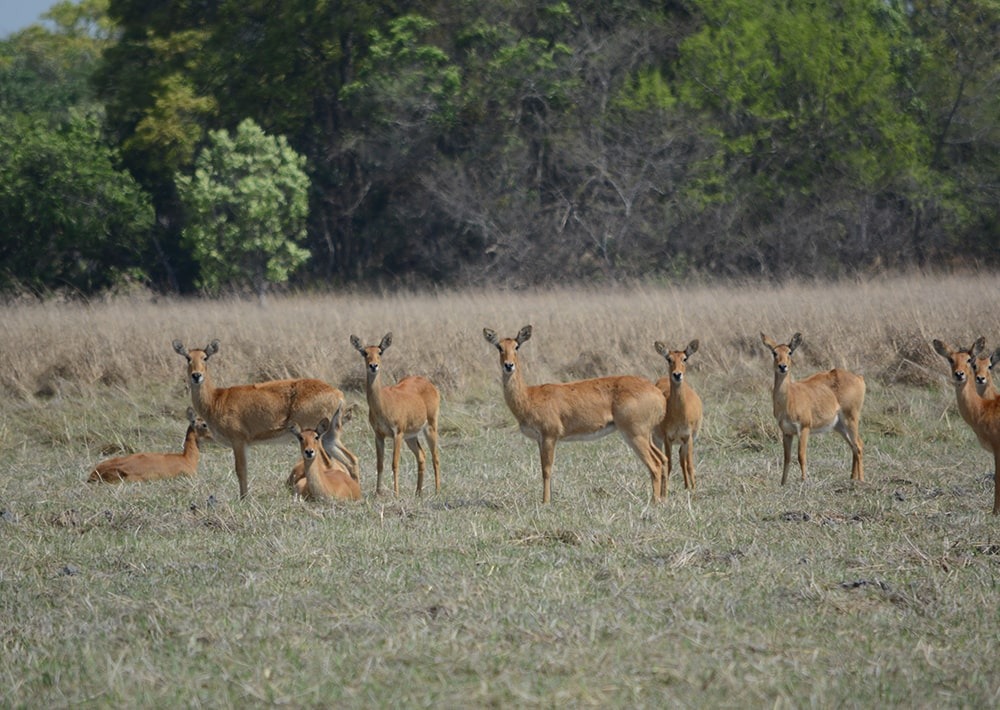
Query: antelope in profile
402	411
581	410
156	467
317	476
982	368
682	421
817	404
982	415
249	414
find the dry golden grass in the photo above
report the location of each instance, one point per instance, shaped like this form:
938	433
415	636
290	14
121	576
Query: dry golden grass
881	327
746	593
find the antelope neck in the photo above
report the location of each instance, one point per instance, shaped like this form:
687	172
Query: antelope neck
515	392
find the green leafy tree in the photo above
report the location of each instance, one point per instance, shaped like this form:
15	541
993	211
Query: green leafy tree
245	208
45	70
801	98
71	218
952	72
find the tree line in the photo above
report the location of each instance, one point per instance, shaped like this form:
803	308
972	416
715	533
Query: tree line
193	146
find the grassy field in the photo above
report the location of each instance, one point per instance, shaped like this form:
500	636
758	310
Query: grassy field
746	593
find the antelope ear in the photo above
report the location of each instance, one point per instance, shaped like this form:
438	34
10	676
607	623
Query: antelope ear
324	426
211	348
179	348
661	348
942	349
386	342
994	358
191	415
978	346
794	343
692	348
491	336
523	335
356	342
768	342
294	428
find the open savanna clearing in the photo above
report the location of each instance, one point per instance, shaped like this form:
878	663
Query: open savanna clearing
826	592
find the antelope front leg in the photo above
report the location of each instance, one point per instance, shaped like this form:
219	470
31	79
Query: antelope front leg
432	443
665	475
547	449
803	443
240	454
687	463
786	445
858	464
996	482
379	462
347	457
654	460
418	452
397	450
335	447
849	430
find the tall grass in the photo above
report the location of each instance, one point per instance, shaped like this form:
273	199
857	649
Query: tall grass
745	593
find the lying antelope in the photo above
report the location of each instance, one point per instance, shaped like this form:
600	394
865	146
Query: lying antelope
581	410
156	467
248	414
982	368
982	415
682	420
817	404
402	411
317	476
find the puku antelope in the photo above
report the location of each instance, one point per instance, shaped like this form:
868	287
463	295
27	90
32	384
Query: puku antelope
402	411
156	467
817	404
682	421
581	410
249	414
316	476
982	415
982	368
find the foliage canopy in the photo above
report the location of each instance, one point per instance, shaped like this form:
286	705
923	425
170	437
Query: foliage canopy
593	140
245	207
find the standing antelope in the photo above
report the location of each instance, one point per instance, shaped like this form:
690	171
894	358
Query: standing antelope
155	467
248	414
582	410
317	476
982	415
401	411
683	415
824	401
982	368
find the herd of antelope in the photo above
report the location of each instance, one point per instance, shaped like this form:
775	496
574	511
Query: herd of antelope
652	418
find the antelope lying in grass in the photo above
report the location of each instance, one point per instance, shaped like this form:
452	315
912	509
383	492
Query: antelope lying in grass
249	414
402	411
156	467
982	415
581	410
682	421
817	404
317	476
